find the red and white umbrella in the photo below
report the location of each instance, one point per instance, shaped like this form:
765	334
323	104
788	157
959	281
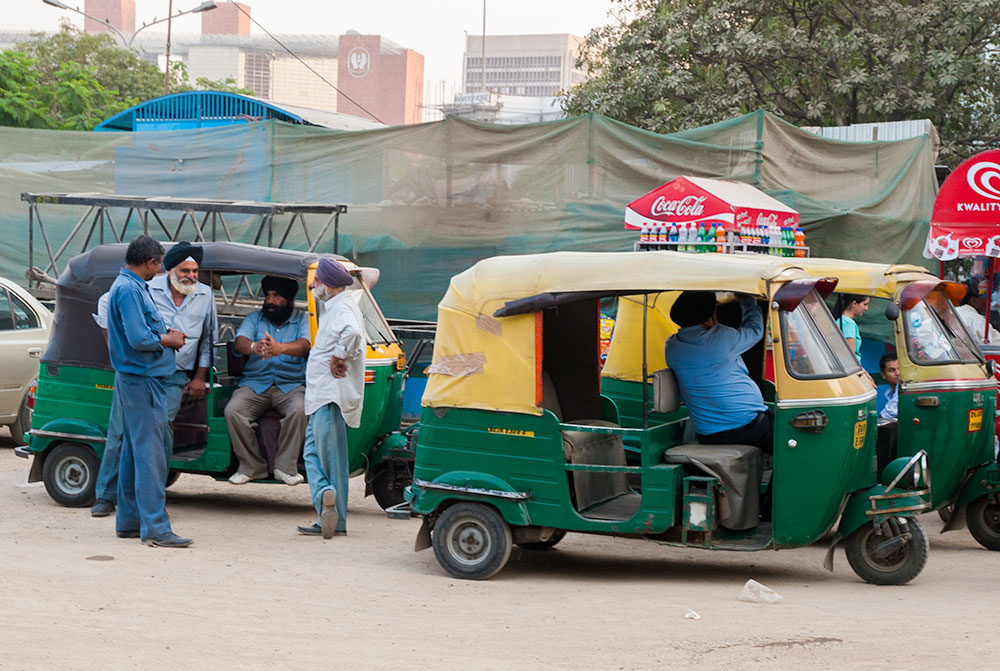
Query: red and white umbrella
966	217
696	200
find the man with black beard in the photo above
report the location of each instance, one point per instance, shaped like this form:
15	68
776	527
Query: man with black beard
276	341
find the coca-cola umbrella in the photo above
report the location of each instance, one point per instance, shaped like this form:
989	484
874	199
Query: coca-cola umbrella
696	200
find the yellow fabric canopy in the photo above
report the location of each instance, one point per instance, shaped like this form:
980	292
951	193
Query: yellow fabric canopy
859	277
481	361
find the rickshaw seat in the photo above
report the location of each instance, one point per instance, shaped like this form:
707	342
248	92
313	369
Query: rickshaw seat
738	468
666	395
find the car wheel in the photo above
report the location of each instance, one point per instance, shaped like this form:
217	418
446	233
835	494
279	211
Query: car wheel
70	474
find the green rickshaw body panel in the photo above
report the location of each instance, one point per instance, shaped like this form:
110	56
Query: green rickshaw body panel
525	454
69	399
984	480
859	503
811	478
947	433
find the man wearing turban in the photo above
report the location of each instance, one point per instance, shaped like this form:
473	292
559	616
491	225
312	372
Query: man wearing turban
276	341
335	381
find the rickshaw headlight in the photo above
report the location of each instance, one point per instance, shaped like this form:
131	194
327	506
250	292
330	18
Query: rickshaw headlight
914	478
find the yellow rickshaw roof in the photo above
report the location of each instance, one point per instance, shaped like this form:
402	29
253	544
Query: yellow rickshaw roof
489	363
499	279
860	277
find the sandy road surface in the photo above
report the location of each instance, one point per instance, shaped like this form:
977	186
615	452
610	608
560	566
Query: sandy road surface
252	594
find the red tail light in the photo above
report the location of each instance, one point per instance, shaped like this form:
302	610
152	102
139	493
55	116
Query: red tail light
31	396
369	376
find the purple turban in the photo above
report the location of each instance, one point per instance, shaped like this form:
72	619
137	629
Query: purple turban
332	274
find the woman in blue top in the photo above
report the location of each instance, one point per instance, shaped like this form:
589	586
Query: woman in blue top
852	306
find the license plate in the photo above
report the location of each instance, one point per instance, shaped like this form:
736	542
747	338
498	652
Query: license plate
860	428
975	420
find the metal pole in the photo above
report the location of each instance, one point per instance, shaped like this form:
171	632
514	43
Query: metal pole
166	76
483	53
645	372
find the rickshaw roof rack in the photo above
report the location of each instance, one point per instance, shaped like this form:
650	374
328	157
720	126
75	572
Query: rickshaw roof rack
187	204
223	257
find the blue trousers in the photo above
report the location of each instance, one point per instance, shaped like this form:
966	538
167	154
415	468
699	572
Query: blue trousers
107	477
143	465
325	456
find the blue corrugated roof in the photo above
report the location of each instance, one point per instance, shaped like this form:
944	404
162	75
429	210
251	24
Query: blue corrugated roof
195	109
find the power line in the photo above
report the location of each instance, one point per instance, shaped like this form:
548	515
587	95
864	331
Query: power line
296	56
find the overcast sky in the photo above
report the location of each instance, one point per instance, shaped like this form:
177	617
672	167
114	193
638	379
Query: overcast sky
435	28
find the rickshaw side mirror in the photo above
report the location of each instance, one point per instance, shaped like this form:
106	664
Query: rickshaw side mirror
991	367
892	311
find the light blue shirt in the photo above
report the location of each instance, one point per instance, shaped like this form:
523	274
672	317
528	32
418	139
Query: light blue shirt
195	316
711	376
891	408
285	371
850	329
134	329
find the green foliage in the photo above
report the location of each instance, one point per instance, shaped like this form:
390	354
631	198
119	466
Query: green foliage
674	64
19	101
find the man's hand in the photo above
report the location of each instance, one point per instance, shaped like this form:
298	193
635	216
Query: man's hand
272	346
337	367
173	339
196	388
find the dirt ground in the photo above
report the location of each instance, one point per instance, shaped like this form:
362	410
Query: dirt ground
253	594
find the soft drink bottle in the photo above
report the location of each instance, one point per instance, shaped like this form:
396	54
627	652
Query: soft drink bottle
800	242
672	236
644	235
682	237
664	237
720	239
700	237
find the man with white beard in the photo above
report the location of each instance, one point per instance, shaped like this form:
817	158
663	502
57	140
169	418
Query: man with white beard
188	306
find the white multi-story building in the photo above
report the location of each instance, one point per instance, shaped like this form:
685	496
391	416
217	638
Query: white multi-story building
522	65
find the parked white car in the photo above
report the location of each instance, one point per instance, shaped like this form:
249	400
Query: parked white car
24	332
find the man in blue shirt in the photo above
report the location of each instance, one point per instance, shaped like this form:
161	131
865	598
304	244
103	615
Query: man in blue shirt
725	405
276	340
141	348
186	305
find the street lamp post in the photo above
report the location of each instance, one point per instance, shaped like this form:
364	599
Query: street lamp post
127	41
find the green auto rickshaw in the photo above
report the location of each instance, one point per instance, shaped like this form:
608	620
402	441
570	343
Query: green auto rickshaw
947	395
75	380
517	445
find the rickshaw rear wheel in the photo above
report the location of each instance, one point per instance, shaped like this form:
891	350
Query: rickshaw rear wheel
172	478
983	518
70	474
387	487
544	545
471	541
899	566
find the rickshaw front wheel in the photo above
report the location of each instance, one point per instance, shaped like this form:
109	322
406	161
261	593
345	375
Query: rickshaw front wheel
983	518
471	541
388	486
883	555
70	474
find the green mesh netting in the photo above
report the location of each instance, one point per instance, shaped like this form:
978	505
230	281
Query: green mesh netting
427	201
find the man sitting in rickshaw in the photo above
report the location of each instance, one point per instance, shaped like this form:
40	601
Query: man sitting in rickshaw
724	403
276	341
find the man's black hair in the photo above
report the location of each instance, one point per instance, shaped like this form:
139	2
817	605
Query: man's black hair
142	249
886	358
692	308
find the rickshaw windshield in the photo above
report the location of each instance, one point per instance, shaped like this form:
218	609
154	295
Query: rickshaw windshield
813	346
935	335
376	328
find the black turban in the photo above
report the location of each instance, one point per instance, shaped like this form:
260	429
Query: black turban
692	308
181	251
282	286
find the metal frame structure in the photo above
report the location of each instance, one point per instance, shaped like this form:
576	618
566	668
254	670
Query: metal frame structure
206	221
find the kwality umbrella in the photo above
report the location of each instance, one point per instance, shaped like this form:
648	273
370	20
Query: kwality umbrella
966	217
696	200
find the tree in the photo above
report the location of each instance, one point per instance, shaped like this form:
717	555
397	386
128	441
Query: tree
675	64
115	68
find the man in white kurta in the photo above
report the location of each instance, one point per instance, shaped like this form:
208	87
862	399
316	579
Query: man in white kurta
335	379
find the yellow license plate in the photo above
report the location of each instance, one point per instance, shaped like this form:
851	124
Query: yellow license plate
975	420
860	428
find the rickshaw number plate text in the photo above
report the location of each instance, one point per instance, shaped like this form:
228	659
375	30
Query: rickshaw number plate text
975	420
512	432
860	428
